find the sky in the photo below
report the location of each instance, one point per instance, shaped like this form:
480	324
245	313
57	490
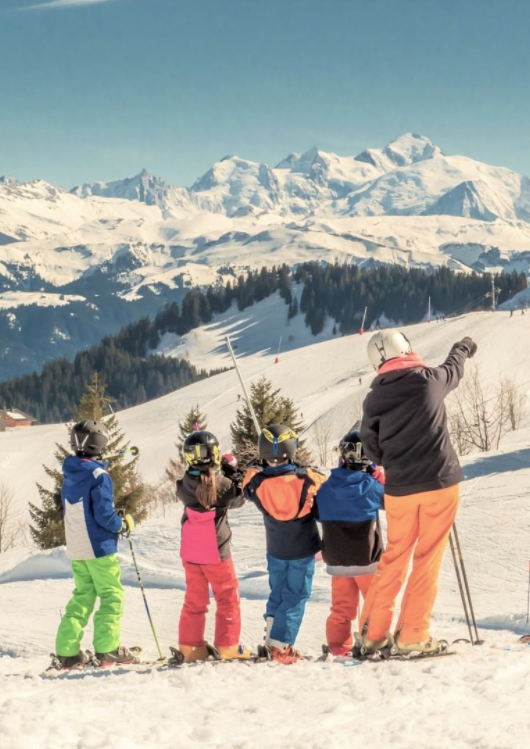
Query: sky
99	89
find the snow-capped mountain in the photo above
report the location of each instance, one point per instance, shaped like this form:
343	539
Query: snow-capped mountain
143	187
145	241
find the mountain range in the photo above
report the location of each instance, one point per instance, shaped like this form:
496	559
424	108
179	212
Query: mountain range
132	244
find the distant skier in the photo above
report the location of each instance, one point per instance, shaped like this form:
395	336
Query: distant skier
209	488
284	492
92	528
404	428
347	505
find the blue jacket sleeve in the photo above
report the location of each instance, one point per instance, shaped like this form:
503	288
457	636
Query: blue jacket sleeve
103	504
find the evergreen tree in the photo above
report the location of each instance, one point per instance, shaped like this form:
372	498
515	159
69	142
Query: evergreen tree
270	407
193	419
94	403
47	530
130	494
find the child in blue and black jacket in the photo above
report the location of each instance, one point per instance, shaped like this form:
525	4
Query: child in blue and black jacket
347	505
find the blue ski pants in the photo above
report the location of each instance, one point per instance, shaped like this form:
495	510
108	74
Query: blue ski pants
290	582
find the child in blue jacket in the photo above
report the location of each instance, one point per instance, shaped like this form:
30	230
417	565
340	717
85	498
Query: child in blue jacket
347	505
92	527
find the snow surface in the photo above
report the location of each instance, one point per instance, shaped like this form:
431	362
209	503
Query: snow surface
478	698
10	299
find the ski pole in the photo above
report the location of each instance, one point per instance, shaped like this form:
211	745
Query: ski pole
145	600
460	586
247	397
477	641
528	598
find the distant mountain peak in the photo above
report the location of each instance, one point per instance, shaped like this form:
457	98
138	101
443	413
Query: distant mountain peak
469	199
410	148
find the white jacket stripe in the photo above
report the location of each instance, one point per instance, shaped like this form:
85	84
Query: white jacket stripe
78	544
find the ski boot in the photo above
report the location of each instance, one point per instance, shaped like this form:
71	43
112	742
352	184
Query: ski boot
430	646
192	653
286	654
67	662
365	648
119	657
338	651
234	652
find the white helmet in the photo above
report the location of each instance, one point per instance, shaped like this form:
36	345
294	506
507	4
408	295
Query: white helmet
387	344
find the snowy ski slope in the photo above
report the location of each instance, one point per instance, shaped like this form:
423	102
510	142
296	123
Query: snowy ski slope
478	698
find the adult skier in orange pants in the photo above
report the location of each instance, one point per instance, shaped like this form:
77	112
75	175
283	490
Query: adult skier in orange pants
404	429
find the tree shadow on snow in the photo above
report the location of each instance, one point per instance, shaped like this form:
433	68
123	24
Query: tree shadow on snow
505	463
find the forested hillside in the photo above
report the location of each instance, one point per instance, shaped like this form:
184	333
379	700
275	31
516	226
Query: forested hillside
134	374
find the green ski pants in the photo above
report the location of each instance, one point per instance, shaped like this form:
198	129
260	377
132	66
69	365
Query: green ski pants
94	578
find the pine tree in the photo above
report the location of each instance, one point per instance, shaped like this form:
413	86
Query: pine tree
94	403
270	407
129	491
47	530
193	418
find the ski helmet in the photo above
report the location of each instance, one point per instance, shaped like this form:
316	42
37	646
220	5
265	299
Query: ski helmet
277	442
89	436
387	344
351	449
229	460
201	450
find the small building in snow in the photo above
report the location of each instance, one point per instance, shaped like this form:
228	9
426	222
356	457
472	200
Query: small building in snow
12	417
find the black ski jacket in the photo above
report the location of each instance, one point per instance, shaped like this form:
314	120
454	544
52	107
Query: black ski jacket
404	425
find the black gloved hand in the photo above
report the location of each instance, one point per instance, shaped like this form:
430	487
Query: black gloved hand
471	345
367	466
228	470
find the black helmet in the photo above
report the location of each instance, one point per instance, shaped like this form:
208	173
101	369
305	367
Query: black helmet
351	449
89	437
277	442
201	450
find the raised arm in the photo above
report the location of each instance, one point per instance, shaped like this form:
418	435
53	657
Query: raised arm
449	374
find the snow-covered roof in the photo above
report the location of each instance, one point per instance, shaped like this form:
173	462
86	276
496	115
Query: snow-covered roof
16	415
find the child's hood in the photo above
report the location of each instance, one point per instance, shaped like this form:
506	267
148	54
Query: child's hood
354	491
355	482
76	470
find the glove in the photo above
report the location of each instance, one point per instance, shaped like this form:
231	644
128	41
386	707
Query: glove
367	466
471	345
127	525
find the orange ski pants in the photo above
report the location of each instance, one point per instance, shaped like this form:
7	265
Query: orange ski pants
344	606
418	523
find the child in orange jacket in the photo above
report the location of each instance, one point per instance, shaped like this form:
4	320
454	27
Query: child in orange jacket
284	492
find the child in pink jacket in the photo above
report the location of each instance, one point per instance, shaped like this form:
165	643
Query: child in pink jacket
208	490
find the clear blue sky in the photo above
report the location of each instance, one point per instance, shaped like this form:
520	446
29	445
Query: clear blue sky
98	89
